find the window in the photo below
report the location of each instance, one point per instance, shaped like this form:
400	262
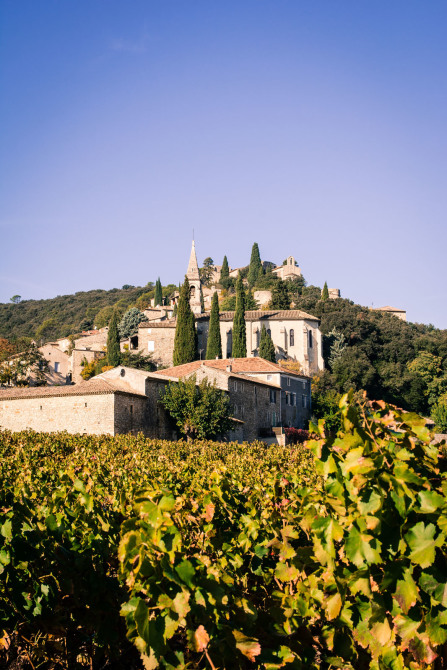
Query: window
304	400
131	409
294	399
272	395
151	345
310	340
269	332
288	381
287	398
242	411
56	367
292	337
269	377
192	292
235	386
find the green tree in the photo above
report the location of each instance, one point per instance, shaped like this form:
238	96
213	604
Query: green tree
255	268
199	411
280	295
225	270
158	297
16	298
103	316
128	325
138	360
439	414
335	344
206	272
25	365
239	329
325	292
113	342
47	330
214	344
266	346
185	340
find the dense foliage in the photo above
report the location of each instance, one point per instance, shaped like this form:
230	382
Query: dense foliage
255	267
63	499
199	410
403	363
69	313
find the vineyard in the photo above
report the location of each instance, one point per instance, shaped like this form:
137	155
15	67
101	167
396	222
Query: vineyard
133	553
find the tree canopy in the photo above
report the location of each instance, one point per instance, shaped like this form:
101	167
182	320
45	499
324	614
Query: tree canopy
113	342
199	411
128	325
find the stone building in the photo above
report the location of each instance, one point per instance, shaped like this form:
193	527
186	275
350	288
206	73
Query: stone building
124	400
288	402
289	270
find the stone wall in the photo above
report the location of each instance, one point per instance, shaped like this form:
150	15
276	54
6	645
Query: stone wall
77	358
59	365
92	414
158	340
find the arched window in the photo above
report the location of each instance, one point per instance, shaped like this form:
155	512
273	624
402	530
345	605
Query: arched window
269	332
192	292
292	337
310	340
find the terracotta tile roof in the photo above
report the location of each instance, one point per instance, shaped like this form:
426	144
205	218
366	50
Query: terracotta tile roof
168	323
239	366
91	387
270	315
253	315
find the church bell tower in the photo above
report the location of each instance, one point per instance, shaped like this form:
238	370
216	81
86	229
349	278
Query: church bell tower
194	282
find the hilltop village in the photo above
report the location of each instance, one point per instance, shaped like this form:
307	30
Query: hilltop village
264	394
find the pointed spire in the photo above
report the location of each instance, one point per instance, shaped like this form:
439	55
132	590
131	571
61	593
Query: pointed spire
193	267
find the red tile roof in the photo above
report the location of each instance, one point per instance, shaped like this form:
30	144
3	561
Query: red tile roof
238	366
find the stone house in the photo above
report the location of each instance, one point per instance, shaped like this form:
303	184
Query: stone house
289	392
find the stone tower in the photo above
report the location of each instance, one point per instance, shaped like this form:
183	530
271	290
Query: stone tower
194	282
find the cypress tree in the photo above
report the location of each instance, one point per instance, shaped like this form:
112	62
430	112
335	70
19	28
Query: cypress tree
225	271
325	292
239	332
255	265
214	344
158	297
113	342
185	340
266	346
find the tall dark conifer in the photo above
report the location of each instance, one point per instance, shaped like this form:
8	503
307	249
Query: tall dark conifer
185	341
239	331
158	297
255	268
325	292
214	344
225	270
266	346
113	342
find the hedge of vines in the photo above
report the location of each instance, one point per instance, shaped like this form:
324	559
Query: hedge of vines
133	553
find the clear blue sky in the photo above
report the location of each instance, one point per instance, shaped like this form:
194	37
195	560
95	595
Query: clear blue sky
316	129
